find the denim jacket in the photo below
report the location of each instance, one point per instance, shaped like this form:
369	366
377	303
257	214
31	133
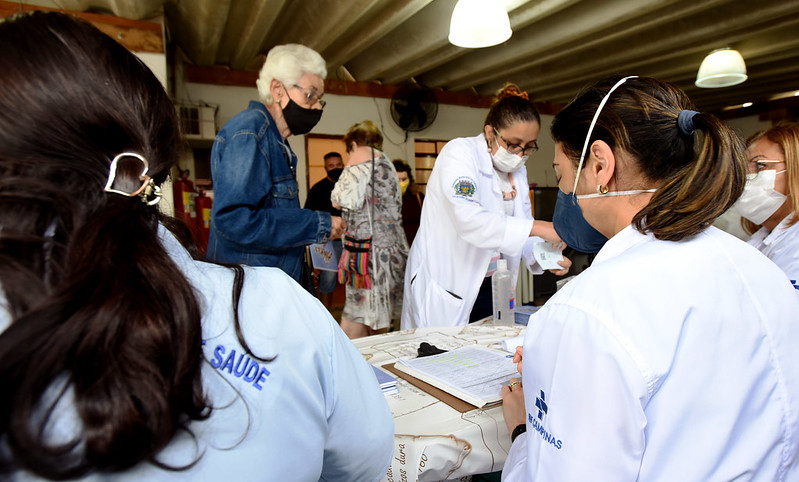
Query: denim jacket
256	217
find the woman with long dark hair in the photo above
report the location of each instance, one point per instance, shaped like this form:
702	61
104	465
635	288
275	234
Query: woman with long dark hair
120	354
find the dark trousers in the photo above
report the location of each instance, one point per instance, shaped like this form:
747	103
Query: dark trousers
484	304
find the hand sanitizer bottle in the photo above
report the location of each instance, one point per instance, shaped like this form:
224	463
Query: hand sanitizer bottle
502	293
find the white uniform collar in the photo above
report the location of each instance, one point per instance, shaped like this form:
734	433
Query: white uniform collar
621	242
776	233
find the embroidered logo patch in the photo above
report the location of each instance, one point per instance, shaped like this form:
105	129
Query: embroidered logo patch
465	186
538	425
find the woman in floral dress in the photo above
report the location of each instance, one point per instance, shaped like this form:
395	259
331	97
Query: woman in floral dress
373	267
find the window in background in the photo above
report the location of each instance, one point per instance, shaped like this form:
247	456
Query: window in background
426	152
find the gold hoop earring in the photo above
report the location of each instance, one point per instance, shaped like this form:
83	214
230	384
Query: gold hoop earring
601	189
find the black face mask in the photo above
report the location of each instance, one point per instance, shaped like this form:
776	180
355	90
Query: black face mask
299	119
334	174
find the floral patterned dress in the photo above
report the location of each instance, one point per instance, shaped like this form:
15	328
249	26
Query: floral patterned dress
371	202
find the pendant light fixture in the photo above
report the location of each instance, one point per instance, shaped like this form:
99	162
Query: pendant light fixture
721	68
479	23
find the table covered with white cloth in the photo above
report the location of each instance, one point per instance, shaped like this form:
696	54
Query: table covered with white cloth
433	441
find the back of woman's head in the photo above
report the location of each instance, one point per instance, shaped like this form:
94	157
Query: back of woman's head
698	161
364	133
511	106
93	295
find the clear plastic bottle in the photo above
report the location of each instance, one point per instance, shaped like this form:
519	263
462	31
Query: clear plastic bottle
502	294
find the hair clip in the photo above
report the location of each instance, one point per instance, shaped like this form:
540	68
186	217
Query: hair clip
685	121
150	193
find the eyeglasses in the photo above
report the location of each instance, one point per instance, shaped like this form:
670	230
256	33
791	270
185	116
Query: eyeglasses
311	97
757	165
516	148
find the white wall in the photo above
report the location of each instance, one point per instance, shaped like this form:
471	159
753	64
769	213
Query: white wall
341	112
746	126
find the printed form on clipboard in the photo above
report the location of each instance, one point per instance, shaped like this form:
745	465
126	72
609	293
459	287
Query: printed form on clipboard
472	373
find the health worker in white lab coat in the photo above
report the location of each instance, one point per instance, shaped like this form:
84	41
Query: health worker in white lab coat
771	197
675	355
477	209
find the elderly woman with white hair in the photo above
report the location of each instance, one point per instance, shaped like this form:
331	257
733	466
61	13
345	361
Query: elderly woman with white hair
256	217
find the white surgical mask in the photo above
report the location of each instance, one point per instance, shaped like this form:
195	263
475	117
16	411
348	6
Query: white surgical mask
504	161
759	199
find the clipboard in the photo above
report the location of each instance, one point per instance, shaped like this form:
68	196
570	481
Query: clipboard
451	400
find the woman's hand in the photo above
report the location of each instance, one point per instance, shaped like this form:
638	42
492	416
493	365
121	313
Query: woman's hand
517	358
360	155
566	263
513	402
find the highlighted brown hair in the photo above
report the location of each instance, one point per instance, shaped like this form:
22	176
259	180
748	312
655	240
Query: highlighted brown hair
700	175
510	106
786	136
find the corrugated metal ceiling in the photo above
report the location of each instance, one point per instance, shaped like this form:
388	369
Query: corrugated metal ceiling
557	46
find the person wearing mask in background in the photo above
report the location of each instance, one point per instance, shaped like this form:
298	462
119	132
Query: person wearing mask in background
675	355
123	356
412	200
771	196
375	250
256	217
477	210
319	200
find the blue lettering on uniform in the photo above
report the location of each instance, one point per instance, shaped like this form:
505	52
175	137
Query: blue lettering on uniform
548	437
218	352
252	372
229	362
243	366
236	370
261	377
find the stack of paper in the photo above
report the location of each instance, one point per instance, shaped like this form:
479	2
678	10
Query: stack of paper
472	373
387	382
523	313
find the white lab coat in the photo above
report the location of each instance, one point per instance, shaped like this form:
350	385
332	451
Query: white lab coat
463	226
315	412
663	361
781	246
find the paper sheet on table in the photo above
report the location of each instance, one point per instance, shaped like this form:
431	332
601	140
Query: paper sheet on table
474	374
548	255
510	344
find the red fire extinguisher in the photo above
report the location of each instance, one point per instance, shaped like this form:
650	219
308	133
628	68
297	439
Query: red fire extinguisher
184	197
203	206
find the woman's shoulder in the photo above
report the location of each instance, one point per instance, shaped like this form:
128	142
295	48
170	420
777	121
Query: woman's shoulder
462	149
274	313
